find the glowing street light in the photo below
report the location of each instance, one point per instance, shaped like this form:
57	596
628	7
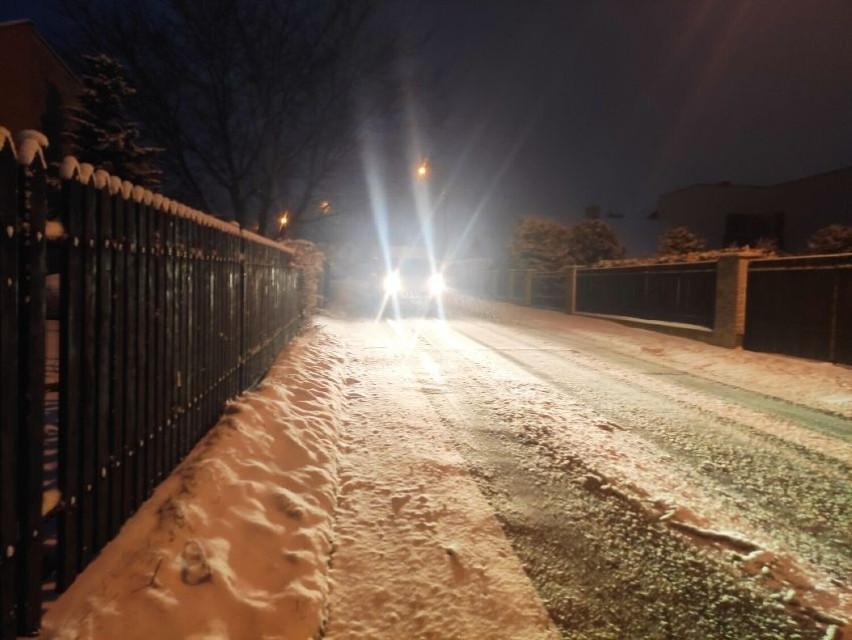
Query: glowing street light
422	170
283	220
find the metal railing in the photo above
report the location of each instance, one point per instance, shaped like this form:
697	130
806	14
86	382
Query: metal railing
165	313
683	293
801	306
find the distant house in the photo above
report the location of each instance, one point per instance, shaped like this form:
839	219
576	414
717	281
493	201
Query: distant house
36	85
788	212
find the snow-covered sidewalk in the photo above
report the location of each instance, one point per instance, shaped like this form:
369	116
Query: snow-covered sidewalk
419	552
236	542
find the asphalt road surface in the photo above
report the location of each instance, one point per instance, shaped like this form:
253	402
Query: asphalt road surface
644	502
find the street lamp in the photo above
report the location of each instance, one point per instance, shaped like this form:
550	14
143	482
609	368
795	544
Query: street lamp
422	170
438	210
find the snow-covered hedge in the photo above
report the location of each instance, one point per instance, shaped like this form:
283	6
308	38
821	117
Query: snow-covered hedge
310	259
709	255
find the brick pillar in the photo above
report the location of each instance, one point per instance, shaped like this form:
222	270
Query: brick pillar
731	280
528	287
571	290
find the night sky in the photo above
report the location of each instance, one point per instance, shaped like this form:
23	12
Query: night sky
614	102
555	105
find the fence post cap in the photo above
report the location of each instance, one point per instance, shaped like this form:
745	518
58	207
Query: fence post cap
86	172
31	145
69	169
114	184
6	136
103	180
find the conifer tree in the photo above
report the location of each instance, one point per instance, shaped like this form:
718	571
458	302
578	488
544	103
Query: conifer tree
101	132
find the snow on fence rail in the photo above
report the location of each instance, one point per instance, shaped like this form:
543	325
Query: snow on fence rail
165	313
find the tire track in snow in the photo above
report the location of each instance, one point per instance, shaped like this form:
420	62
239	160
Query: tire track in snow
483	372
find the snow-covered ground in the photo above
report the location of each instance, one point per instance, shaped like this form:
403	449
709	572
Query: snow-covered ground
351	496
236	542
817	384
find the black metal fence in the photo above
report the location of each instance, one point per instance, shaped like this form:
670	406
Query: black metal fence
801	307
684	293
165	313
549	290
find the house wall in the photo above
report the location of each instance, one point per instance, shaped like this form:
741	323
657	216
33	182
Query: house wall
807	204
35	84
702	208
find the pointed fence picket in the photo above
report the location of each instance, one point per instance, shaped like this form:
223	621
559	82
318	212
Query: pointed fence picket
165	313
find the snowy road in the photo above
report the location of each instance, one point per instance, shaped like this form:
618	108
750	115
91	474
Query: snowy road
642	500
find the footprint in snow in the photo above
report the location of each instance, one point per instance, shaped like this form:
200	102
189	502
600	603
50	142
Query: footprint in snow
195	569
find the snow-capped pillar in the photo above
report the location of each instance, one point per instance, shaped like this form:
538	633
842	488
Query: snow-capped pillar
529	278
32	212
731	281
571	290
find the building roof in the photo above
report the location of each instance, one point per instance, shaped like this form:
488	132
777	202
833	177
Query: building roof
29	23
759	186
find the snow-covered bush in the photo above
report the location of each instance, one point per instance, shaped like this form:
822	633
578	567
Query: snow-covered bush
310	259
540	244
591	241
547	245
679	240
835	238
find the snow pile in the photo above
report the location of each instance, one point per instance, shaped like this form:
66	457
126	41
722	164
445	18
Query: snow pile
235	543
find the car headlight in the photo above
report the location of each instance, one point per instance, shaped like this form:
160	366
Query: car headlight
393	283
436	284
